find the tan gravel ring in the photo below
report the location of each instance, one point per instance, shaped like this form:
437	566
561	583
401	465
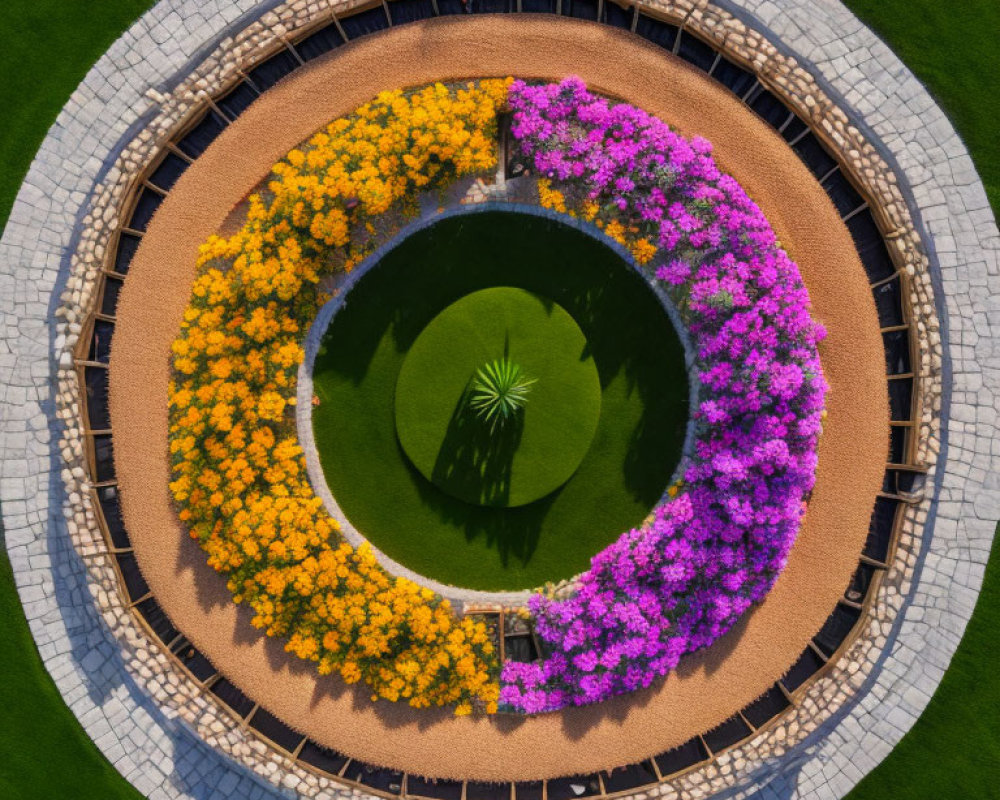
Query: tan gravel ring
711	686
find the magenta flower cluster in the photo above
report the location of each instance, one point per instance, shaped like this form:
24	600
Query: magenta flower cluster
677	584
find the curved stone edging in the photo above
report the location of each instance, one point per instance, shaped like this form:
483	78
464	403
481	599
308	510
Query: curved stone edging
975	245
458	596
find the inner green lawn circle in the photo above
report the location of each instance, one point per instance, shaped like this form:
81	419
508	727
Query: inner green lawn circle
509	462
633	451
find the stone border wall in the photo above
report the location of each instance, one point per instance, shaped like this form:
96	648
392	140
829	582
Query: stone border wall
967	500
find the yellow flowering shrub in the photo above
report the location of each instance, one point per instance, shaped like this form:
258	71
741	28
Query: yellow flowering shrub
641	249
239	477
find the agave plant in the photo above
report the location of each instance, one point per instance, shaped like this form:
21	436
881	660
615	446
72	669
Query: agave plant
499	391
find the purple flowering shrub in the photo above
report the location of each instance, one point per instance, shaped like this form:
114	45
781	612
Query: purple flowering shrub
678	583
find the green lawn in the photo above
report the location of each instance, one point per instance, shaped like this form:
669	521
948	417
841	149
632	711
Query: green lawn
954	751
484	453
48	46
640	428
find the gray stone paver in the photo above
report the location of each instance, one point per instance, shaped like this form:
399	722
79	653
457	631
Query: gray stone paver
162	756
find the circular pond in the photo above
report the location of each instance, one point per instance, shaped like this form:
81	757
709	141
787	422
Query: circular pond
625	465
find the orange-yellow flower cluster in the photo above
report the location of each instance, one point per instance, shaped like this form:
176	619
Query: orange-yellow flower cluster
642	249
238	473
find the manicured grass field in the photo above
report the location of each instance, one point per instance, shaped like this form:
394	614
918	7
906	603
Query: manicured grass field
503	461
643	408
954	750
48	45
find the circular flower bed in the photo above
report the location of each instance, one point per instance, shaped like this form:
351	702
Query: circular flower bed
669	587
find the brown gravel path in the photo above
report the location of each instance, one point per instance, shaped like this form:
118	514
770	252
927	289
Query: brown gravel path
712	685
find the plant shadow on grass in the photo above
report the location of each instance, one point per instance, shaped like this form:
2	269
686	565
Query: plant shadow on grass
513	533
640	434
477	459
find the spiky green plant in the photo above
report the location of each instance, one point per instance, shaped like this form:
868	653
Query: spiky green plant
499	391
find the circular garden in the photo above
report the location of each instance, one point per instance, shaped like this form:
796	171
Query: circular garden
670	584
466	476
